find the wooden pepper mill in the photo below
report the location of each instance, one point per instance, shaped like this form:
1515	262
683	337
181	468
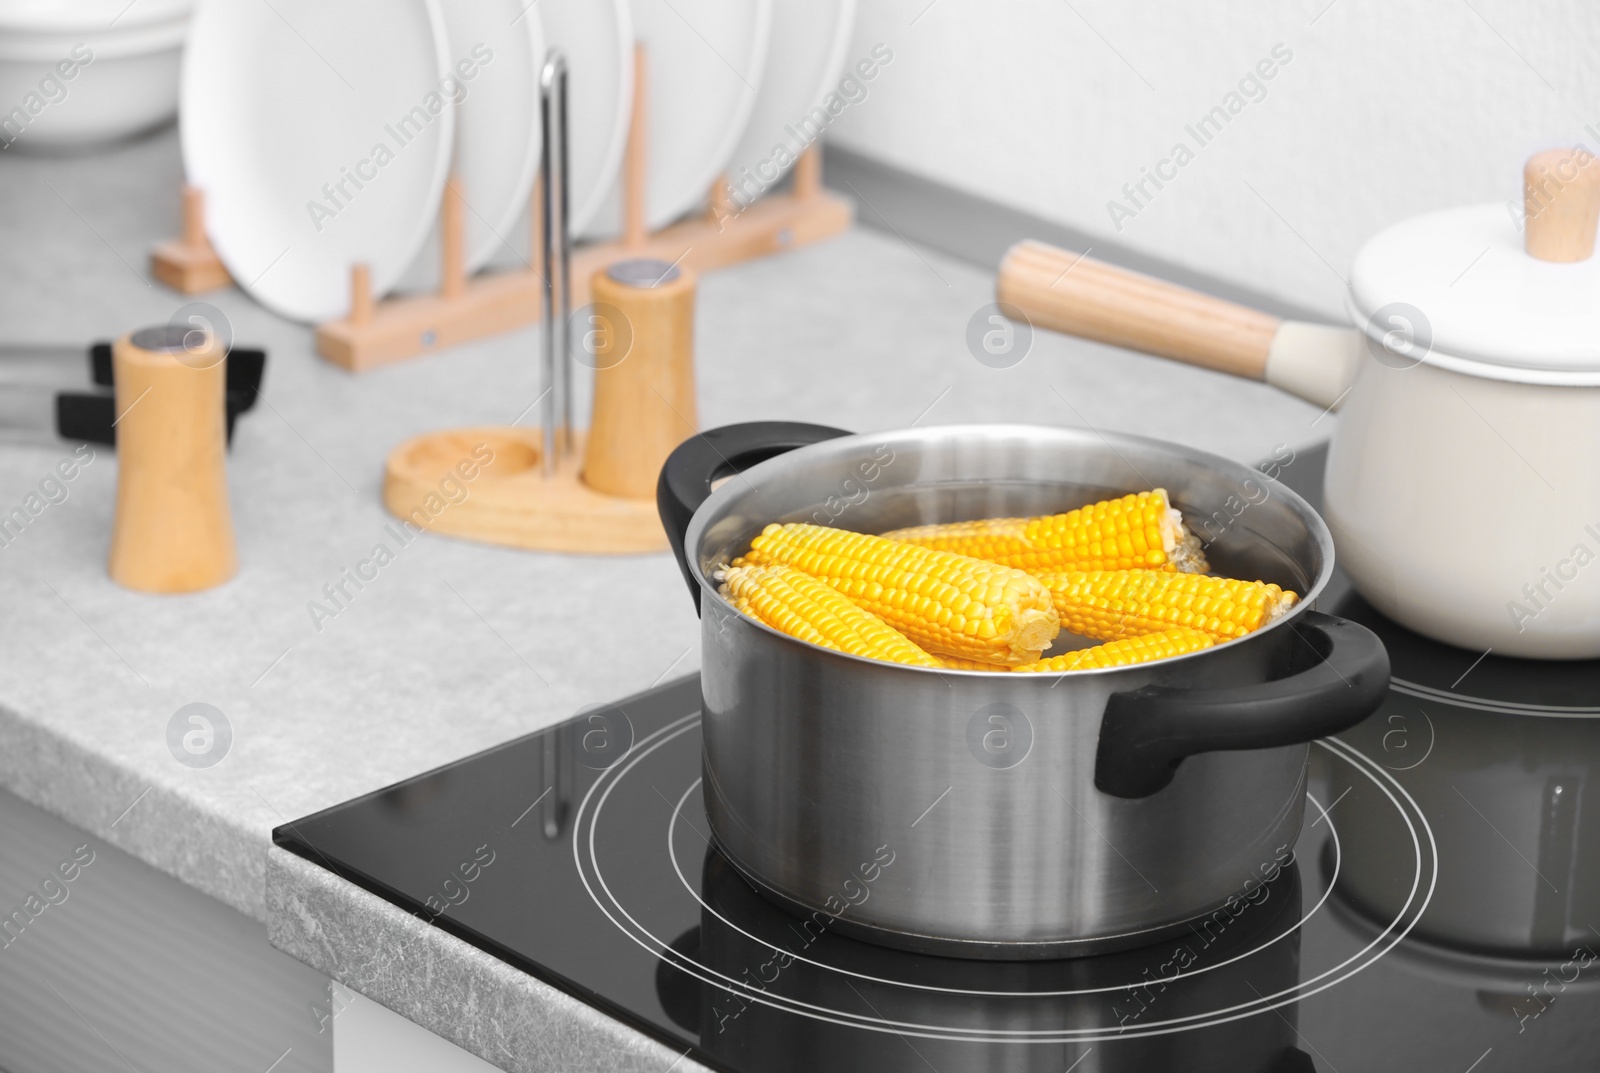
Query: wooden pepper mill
642	328
172	531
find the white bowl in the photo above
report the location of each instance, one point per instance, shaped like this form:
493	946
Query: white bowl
80	17
74	87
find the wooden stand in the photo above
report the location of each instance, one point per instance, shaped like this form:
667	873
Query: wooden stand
545	488
509	501
189	265
488	305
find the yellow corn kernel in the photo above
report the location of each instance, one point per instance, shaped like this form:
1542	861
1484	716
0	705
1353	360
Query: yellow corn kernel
956	663
1139	531
1111	604
1143	649
799	605
951	605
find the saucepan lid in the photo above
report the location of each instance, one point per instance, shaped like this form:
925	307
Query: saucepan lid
1508	291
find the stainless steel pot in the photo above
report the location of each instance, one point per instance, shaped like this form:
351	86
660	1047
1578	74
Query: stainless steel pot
988	814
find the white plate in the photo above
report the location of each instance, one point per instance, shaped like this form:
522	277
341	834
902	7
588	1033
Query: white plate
498	127
705	61
803	66
281	101
597	38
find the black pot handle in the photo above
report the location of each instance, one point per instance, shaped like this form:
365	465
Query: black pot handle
694	464
1341	675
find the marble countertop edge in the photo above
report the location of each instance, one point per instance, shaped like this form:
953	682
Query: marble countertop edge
159	824
506	1017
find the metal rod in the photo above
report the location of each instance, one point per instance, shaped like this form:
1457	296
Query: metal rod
567	425
557	253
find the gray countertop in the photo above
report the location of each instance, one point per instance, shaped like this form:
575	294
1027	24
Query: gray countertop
456	646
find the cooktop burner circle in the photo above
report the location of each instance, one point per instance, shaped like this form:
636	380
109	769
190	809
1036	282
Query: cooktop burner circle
635	766
1489	704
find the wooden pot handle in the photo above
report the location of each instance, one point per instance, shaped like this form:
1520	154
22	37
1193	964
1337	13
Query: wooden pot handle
1071	293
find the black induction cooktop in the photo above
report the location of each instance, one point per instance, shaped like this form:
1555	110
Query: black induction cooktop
1442	910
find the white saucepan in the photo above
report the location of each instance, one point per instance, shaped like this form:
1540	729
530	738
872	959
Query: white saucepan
1463	483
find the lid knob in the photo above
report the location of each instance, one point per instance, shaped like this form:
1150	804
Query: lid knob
1561	195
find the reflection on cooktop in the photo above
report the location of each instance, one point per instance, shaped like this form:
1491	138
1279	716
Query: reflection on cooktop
819	1001
1500	753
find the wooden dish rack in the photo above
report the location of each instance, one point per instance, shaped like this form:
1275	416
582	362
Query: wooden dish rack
377	332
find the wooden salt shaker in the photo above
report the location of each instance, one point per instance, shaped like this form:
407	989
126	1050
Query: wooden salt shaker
172	530
642	333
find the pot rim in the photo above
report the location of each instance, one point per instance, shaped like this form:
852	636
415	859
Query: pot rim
718	499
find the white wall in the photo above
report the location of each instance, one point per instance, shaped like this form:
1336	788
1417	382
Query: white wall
1388	108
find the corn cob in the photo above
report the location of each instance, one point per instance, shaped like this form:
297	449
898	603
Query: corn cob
801	606
1142	649
949	604
1139	531
1108	605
